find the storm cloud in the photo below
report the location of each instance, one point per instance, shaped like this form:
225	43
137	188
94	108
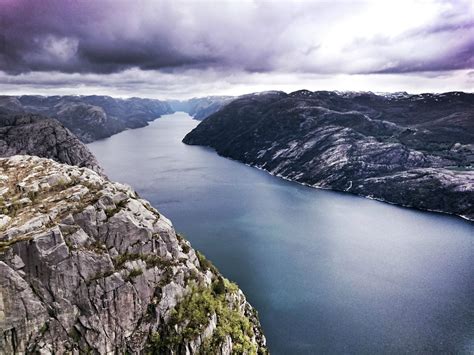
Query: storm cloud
232	38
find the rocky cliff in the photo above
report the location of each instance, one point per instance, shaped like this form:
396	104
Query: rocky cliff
37	135
87	266
412	150
89	117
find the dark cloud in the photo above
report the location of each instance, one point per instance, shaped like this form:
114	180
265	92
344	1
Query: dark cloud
229	38
91	36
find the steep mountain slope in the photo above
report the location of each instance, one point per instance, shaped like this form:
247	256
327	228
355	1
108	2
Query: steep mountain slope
413	150
89	267
201	107
36	135
90	117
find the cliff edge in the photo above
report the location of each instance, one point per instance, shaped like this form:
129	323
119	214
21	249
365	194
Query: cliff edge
86	265
45	137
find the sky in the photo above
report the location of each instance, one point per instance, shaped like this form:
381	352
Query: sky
180	49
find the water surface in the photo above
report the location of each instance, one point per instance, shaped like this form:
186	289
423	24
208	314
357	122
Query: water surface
328	272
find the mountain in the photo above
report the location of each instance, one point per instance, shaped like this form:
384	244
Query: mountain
87	266
96	117
411	150
201	107
89	117
45	137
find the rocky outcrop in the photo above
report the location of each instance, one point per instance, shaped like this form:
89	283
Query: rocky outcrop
412	150
36	135
86	265
89	117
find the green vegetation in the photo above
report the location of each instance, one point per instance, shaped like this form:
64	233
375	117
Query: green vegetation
44	328
112	211
69	244
218	286
206	264
97	247
186	248
192	315
100	275
182	242
134	273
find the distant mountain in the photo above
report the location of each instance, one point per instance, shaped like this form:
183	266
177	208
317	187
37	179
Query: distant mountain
89	117
201	107
44	137
412	150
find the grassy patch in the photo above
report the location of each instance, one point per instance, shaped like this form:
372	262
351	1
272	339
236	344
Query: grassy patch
206	264
192	316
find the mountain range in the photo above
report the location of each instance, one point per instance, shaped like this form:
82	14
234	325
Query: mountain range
410	150
96	117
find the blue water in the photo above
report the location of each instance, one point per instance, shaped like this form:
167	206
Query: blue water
328	272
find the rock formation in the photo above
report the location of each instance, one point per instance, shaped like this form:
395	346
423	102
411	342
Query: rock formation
412	150
89	117
36	135
86	265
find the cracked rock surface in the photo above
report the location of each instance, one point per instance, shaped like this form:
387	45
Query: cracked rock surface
86	265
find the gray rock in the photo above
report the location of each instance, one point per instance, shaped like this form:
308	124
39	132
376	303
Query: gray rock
89	117
36	135
87	266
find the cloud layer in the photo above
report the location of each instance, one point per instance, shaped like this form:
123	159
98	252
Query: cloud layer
233	37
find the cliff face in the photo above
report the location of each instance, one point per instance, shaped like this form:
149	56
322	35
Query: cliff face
88	266
36	135
413	150
89	117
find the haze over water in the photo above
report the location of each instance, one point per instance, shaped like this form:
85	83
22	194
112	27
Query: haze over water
328	272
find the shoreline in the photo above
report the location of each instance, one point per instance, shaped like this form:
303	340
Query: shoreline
463	217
